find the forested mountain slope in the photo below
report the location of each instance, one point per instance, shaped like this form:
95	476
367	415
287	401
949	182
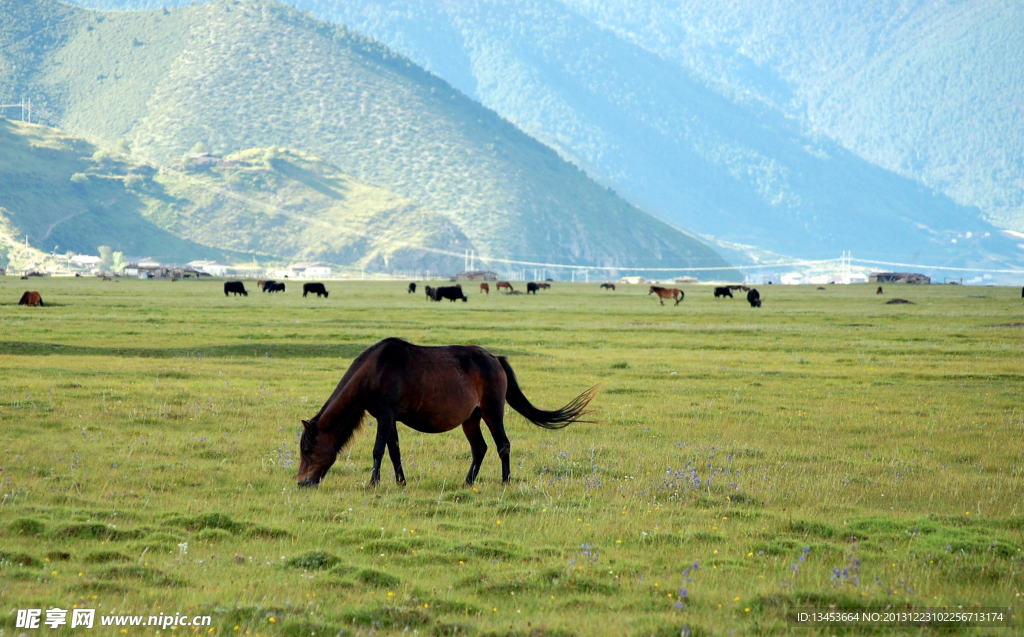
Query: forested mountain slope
888	128
64	194
236	75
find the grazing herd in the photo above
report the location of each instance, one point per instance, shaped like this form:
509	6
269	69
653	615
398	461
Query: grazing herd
270	286
454	292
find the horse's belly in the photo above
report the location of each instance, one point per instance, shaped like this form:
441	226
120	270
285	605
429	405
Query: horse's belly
434	422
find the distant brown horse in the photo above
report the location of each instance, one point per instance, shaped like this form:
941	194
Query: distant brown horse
485	289
544	286
32	299
608	286
431	390
504	284
667	293
879	290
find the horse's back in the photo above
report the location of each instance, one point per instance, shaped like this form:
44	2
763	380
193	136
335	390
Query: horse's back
436	385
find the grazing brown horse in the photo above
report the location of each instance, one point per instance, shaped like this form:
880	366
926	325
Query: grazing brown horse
608	286
32	299
430	389
667	293
485	289
504	284
544	286
879	290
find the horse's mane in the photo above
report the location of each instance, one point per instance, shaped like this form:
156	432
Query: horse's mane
311	434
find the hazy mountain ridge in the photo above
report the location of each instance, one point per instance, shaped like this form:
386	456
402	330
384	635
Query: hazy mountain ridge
933	90
258	74
724	117
739	169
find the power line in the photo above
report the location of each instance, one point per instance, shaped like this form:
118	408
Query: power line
936	267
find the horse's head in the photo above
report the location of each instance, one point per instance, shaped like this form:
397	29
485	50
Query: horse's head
652	291
317	452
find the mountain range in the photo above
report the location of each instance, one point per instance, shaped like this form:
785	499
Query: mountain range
328	105
890	128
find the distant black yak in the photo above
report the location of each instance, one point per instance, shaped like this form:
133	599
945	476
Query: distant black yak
450	292
316	288
754	298
234	287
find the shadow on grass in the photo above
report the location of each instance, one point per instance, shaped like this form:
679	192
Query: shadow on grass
265	350
269	350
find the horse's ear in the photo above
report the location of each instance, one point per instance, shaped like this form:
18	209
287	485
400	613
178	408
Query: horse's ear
308	425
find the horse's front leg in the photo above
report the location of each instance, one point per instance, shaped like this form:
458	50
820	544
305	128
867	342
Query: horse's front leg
396	455
385	425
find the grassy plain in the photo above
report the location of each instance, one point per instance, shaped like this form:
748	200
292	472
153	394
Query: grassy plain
825	449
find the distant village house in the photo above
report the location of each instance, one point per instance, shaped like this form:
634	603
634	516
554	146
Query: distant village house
306	271
85	261
899	277
213	268
145	268
476	275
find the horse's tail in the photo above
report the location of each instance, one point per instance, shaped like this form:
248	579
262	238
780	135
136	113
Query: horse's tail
542	418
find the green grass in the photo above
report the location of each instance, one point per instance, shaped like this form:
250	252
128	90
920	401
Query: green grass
141	416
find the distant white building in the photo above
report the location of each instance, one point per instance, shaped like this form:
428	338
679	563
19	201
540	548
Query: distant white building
633	280
310	270
213	268
792	278
84	261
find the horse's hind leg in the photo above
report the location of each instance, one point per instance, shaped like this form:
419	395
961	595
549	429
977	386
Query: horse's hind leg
494	417
396	455
476	443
